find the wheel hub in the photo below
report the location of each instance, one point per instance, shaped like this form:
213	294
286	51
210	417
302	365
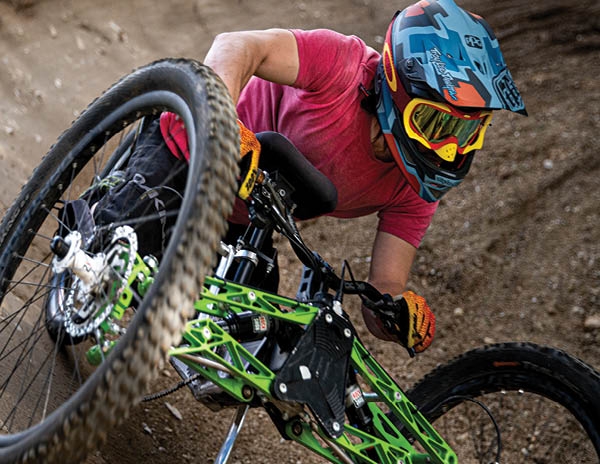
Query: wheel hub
96	280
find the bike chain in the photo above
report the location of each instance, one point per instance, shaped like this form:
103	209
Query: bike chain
168	391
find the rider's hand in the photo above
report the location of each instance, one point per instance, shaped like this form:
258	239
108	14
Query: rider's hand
409	321
419	319
249	154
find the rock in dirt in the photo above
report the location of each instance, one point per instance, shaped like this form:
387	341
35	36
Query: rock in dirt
173	410
592	322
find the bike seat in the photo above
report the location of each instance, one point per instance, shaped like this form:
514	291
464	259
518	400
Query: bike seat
314	194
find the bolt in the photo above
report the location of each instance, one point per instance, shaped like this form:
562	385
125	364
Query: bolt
336	426
151	262
251	296
283	388
60	247
247	392
337	307
347	333
398	396
328	318
297	428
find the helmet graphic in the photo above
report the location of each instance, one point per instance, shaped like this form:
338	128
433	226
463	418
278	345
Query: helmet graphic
441	74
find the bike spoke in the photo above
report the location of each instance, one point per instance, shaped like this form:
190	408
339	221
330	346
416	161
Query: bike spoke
533	429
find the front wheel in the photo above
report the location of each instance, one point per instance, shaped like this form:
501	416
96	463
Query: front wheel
78	344
543	402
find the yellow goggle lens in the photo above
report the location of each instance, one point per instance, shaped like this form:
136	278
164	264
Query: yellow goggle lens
436	124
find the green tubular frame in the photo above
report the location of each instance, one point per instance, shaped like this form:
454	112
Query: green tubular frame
209	341
121	296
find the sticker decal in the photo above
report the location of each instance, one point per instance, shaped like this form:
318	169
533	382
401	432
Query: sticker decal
507	91
389	69
473	41
435	57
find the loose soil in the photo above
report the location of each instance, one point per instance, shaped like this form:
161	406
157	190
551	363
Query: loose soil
513	254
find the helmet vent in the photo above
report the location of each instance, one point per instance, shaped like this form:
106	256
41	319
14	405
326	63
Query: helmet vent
481	67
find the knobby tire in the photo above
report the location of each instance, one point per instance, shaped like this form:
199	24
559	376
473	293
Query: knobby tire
534	428
81	420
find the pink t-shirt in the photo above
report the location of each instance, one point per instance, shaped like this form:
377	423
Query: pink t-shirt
322	115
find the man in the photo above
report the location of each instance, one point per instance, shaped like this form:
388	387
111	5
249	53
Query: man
393	132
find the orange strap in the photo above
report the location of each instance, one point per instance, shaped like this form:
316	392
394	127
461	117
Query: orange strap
249	147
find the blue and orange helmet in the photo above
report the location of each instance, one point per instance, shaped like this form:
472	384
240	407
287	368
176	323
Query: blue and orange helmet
441	75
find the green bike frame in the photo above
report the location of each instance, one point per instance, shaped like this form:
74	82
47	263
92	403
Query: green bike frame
211	351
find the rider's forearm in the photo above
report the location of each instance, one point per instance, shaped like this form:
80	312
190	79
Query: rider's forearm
391	261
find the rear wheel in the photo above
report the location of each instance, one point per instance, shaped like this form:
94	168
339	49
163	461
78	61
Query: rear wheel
77	348
544	402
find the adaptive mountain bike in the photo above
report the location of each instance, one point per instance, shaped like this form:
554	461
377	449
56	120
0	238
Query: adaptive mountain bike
91	307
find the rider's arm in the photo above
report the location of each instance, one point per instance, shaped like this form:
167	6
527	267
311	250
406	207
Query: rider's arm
391	261
411	323
237	56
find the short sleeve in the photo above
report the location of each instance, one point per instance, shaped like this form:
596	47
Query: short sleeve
324	58
408	220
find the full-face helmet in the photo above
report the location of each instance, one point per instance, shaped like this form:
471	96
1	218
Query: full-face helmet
441	75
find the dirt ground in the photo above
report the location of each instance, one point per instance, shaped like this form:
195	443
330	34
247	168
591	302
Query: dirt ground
513	254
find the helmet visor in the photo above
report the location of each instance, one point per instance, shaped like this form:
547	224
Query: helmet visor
444	129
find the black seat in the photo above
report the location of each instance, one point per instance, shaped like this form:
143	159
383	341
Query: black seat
314	194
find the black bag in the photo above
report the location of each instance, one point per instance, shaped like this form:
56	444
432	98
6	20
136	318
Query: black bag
149	195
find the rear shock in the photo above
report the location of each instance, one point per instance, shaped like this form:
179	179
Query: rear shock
248	326
356	406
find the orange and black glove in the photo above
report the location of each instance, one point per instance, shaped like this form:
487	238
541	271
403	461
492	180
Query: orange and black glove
410	321
249	155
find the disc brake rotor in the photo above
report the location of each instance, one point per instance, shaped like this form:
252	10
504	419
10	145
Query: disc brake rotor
97	280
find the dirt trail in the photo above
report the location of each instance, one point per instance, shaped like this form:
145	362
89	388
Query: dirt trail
513	254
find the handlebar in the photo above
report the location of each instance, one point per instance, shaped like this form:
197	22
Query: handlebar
352	287
271	207
392	313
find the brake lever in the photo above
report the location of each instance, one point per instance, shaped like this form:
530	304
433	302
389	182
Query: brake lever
393	317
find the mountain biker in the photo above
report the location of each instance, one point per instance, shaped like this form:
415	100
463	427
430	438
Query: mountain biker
392	131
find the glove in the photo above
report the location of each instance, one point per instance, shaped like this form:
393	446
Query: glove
418	321
249	154
407	320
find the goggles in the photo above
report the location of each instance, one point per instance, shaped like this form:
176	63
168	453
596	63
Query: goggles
444	129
